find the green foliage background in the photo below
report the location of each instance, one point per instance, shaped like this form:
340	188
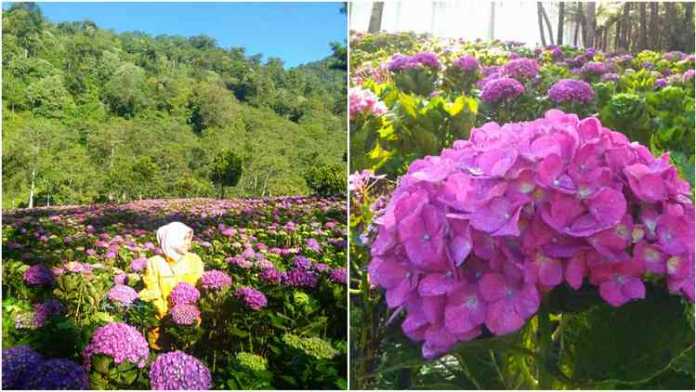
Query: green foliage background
91	115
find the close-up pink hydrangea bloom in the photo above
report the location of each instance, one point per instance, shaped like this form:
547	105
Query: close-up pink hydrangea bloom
472	239
365	102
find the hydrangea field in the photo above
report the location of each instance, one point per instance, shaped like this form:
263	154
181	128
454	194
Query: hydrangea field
520	218
268	313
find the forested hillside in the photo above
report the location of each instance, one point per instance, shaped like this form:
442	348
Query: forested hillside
92	115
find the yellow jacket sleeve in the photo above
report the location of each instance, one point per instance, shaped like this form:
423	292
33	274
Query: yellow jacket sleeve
152	291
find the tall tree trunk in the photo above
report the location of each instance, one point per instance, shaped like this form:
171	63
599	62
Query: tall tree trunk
643	41
578	21
617	38
626	26
561	20
689	23
654	32
376	17
672	42
31	190
547	21
590	23
541	25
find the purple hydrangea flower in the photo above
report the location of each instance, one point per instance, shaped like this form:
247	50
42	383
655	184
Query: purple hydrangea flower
660	83
400	62
467	63
338	275
119	341
184	314
313	245
521	69
501	89
120	279
300	278
122	294
215	280
17	364
178	371
252	298
609	77
301	262
38	275
184	293
240	262
45	310
139	264
57	374
593	68
571	90
321	267
271	276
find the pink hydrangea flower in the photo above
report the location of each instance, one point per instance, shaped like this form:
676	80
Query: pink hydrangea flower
471	239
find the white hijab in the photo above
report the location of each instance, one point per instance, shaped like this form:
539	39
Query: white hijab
171	237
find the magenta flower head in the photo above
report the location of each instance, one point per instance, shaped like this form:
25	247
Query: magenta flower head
571	90
44	311
252	298
123	295
521	69
179	371
467	63
39	275
592	68
401	62
18	363
609	77
364	102
215	280
184	314
271	276
139	264
313	244
470	239
184	293
338	275
501	89
119	341
57	374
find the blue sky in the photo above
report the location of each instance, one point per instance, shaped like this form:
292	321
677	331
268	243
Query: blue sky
296	32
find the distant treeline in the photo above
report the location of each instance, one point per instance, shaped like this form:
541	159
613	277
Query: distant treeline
91	115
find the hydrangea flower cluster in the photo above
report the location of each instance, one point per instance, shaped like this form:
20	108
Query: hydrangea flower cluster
253	362
177	370
271	276
122	294
38	275
400	62
571	90
313	245
45	310
215	280
473	237
57	374
119	341
183	293
338	275
17	363
365	102
185	314
139	264
300	277
593	68
252	298
467	63
501	89
521	69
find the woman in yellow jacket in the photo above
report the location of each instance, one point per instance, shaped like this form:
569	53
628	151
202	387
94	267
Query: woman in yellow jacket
162	274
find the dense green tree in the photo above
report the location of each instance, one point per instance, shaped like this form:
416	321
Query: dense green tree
226	170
